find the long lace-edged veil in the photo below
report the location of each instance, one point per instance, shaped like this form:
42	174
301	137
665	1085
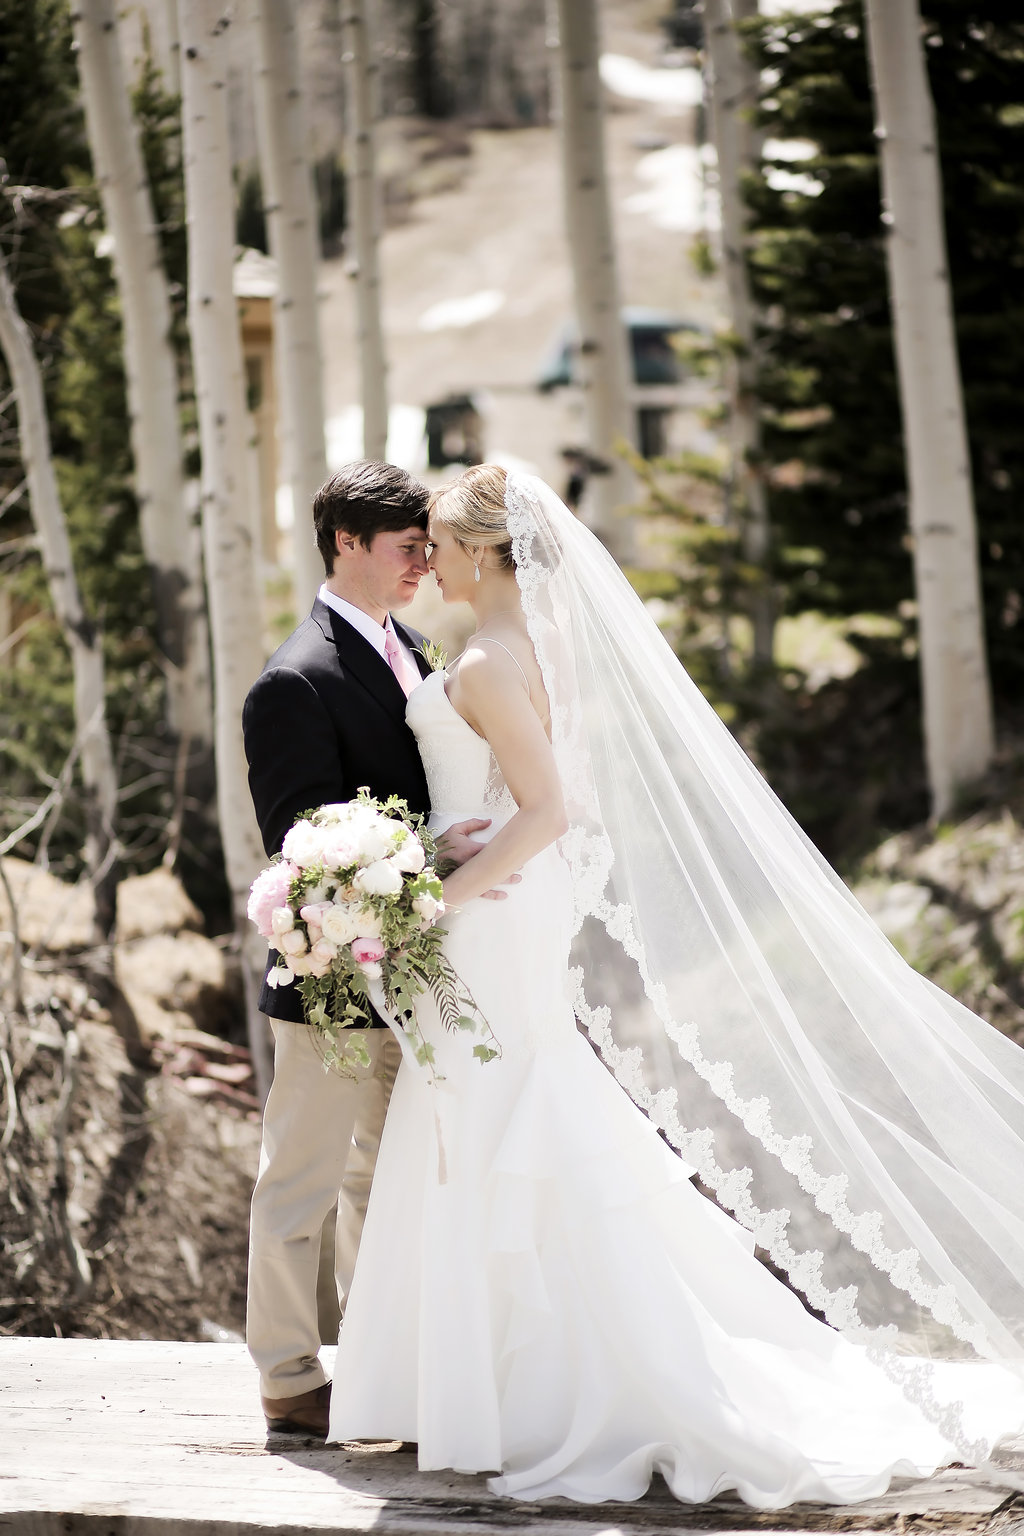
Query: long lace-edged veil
868	1129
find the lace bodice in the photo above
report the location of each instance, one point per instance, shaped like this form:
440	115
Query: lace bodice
462	776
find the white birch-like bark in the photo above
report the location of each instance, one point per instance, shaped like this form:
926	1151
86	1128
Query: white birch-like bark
234	598
170	539
96	757
169	55
732	90
364	219
292	225
604	365
958	722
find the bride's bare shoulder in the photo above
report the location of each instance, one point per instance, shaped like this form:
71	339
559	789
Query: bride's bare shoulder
488	665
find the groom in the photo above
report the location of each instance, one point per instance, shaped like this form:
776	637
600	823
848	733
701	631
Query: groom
325	716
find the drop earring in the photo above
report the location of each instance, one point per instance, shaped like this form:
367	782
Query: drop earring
476	572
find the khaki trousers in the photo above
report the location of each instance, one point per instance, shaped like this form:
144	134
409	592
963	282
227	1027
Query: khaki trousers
321	1133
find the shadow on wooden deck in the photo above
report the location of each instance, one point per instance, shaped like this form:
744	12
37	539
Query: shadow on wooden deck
127	1438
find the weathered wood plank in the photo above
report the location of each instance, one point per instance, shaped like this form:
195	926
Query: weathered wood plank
127	1438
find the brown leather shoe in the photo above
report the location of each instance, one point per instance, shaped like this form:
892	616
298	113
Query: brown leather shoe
306	1414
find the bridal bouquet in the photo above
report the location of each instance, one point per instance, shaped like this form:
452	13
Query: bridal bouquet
350	905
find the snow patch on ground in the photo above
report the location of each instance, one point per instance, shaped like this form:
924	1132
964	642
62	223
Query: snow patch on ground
470	310
675	195
627	77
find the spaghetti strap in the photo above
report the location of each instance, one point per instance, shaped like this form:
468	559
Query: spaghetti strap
477	640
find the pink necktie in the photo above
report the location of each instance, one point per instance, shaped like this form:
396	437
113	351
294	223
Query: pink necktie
398	661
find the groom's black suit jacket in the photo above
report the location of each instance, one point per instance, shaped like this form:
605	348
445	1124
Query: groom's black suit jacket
326	716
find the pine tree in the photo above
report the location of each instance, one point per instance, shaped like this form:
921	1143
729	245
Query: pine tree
832	427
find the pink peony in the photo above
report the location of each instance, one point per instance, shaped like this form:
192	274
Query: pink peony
269	890
312	915
367	951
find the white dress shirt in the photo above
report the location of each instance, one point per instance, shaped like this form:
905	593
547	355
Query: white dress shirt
367	627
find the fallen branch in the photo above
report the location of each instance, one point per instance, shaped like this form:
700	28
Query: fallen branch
81	1269
16	989
12	1099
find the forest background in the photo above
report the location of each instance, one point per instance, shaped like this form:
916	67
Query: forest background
831	710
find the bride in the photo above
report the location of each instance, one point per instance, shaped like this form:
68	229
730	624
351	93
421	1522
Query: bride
542	1291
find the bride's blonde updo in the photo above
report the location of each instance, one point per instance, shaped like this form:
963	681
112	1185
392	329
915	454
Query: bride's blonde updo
472	508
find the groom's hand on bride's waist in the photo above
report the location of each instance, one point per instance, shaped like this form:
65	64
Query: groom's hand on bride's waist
456	846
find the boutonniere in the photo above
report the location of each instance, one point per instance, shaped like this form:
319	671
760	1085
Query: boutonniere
435	656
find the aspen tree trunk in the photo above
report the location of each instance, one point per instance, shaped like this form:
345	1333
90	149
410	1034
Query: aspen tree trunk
361	112
604	365
958	724
97	760
150	27
292	226
170	62
732	88
169	538
220	393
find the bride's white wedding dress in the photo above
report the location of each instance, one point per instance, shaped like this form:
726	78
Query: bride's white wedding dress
541	1292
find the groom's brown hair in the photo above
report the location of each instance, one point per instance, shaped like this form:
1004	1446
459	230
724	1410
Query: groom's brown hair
364	499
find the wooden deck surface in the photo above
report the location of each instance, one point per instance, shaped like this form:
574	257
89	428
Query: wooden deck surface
119	1438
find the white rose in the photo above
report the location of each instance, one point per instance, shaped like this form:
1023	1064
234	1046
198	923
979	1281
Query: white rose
373	843
410	857
379	879
339	925
300	965
340	847
368	924
323	952
293	943
371	970
282	920
302	844
428	907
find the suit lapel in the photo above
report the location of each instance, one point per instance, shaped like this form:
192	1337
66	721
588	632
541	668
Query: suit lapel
360	658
